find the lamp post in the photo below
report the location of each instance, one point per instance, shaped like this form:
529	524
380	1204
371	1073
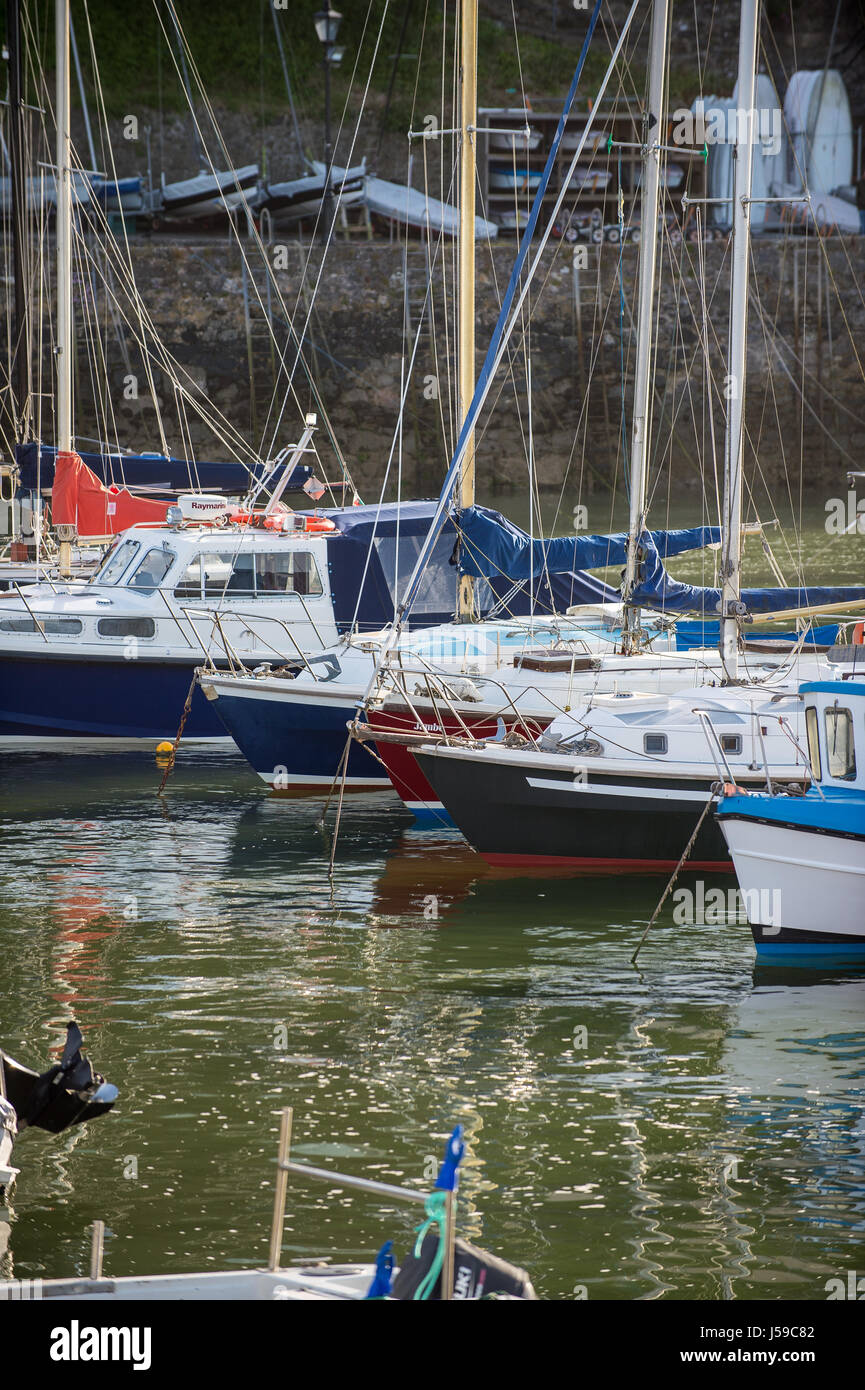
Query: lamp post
327	24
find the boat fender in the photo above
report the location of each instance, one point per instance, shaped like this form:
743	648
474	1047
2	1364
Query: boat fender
731	789
859	635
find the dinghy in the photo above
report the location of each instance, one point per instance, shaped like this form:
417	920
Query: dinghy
298	198
206	194
397	203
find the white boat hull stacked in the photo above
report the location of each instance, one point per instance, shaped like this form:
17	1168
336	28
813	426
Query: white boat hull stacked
798	880
410	208
207	194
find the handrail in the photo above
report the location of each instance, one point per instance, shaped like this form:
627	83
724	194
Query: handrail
215	616
38	627
711	734
284	1166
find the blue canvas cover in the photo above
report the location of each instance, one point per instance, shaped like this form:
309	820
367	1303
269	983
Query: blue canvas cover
657	589
372	558
152	471
492	546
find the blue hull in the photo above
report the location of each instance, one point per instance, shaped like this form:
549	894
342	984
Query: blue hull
106	699
811	954
296	746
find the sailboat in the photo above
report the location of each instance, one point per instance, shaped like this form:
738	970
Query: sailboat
290	722
502	678
612	784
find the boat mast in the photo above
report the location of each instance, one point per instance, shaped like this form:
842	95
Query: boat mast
64	254
734	442
19	374
466	329
650	209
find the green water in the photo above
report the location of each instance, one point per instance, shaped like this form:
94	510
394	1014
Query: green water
690	1129
701	1138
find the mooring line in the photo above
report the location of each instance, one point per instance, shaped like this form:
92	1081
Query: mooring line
687	850
169	766
343	778
340	767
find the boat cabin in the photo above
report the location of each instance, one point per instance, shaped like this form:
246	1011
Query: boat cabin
835	728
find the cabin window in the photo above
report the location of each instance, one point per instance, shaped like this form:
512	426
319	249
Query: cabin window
654	743
731	743
249	574
190	583
286	572
116	561
62	627
812	729
126	627
840	754
152	570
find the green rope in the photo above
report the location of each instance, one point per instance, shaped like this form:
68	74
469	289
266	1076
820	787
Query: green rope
435	1207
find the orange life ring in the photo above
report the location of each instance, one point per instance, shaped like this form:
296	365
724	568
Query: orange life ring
859	635
282	521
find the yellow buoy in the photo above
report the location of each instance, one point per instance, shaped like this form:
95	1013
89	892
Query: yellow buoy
163	748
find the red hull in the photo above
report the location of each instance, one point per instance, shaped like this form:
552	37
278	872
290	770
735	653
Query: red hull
634	866
406	776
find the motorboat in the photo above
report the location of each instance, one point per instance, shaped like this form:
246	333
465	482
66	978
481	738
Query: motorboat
800	859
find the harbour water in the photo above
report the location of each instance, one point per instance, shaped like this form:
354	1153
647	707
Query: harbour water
690	1129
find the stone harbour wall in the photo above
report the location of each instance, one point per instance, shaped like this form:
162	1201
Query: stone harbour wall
579	359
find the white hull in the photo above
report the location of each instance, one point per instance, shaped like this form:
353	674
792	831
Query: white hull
804	881
244	1285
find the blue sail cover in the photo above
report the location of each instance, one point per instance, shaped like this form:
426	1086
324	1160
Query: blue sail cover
154	471
657	589
375	549
492	546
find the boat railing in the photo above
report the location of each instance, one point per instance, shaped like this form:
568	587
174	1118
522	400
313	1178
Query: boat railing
719	757
236	663
380	1189
437	692
286	1165
37	625
716	748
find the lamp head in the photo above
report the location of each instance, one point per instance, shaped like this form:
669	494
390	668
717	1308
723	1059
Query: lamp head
327	24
